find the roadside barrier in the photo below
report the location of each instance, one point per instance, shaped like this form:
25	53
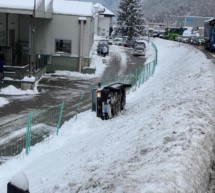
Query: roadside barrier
27	131
78	105
41	124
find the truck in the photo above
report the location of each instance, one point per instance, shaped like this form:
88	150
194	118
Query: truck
174	32
209	34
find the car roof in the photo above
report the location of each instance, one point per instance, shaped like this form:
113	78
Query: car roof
138	47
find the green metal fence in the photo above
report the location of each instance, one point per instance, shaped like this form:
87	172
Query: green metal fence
17	136
12	140
41	124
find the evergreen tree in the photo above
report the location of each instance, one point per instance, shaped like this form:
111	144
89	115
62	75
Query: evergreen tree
130	18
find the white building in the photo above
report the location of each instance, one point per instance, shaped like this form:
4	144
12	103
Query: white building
191	21
58	33
103	21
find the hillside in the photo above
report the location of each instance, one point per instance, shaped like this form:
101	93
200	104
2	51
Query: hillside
167	10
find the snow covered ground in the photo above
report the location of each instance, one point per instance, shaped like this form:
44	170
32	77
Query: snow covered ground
162	143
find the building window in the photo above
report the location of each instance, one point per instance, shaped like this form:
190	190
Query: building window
63	46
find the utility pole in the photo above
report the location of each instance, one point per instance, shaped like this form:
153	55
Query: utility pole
32	40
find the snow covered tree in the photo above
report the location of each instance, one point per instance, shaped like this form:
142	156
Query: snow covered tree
130	18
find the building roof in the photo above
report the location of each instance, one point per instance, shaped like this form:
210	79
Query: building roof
73	7
17	4
58	7
107	11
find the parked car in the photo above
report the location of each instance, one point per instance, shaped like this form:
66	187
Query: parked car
101	44
139	51
161	35
191	39
185	39
199	40
178	38
155	34
131	43
140	43
125	43
118	41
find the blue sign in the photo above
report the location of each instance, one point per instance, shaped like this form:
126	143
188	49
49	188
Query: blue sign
188	19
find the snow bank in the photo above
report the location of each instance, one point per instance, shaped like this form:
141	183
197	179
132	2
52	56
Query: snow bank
162	143
12	90
20	181
3	101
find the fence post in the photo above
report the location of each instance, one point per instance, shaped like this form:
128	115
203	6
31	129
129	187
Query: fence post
78	106
91	92
140	76
28	134
156	53
60	117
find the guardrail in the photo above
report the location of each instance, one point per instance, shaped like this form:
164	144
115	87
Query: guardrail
29	130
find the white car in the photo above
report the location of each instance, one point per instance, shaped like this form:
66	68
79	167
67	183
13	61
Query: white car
185	39
139	51
117	41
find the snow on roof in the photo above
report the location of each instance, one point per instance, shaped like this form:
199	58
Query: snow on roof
47	3
18	4
107	11
73	7
59	6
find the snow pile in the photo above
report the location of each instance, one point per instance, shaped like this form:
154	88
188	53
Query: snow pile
20	181
3	101
12	90
162	143
29	79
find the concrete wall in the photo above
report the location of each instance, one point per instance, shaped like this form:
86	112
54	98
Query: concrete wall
104	24
68	28
66	63
47	30
64	27
43	36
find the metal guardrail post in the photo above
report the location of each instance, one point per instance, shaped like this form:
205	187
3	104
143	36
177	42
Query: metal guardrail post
78	106
91	91
60	117
28	134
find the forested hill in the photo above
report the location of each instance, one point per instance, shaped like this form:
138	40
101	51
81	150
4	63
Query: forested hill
167	10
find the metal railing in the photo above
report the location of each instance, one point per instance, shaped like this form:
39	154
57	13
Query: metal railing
17	136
